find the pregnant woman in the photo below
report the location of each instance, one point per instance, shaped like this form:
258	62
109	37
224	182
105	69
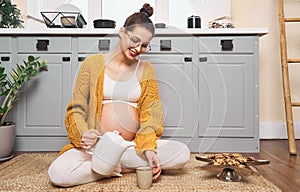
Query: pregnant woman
117	91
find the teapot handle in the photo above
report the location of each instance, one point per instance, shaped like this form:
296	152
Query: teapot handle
91	150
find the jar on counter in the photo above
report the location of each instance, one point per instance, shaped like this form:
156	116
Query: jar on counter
194	22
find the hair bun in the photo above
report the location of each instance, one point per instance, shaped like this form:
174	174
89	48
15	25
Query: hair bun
147	10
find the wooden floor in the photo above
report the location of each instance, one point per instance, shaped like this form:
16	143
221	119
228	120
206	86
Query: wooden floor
284	169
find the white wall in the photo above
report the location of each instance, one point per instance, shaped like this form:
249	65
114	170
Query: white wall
173	13
257	13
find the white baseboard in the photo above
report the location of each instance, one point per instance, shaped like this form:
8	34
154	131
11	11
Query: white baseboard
277	130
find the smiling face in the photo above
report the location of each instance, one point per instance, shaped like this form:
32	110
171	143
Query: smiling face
134	42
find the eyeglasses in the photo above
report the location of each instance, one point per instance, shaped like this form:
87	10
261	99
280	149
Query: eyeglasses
136	42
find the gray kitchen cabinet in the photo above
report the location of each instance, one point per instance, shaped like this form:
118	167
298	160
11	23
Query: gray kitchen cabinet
228	94
93	45
6	52
208	86
5	44
7	61
177	93
42	107
172	61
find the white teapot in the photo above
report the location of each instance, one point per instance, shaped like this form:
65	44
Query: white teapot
108	152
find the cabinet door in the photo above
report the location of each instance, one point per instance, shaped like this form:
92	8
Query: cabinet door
5	45
5	60
41	109
174	77
230	96
5	53
92	45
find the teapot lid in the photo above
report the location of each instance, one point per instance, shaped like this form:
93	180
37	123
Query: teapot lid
114	134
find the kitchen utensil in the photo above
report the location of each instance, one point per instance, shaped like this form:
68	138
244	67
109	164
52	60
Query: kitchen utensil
65	15
194	22
67	19
108	151
104	23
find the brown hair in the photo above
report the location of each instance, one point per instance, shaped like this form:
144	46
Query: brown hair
141	18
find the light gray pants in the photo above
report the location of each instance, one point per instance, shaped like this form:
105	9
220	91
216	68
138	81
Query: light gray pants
74	166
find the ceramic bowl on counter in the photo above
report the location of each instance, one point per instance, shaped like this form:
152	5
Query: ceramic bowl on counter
160	25
68	21
104	23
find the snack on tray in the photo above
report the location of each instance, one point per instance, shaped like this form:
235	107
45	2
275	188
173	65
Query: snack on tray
234	159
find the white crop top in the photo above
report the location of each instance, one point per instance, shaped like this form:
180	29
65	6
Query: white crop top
122	91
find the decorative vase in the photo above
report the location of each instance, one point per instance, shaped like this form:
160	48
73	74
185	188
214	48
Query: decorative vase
7	141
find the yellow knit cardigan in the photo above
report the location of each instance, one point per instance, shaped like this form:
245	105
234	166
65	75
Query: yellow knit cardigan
85	108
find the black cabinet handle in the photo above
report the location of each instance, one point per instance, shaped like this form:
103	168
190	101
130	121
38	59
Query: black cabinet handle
203	59
66	59
104	44
188	59
81	59
42	45
227	45
5	58
165	45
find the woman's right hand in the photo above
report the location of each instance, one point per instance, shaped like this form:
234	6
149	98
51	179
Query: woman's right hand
88	138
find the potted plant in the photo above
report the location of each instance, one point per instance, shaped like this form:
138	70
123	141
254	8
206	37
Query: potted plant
0	16
10	86
10	15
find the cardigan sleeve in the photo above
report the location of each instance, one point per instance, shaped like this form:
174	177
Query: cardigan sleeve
151	115
77	109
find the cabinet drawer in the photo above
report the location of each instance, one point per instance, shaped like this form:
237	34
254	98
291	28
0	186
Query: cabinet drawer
96	44
171	45
44	44
227	44
5	44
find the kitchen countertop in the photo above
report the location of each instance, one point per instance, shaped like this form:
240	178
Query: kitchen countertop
165	31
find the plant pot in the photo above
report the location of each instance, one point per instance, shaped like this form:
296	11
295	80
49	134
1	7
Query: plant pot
7	141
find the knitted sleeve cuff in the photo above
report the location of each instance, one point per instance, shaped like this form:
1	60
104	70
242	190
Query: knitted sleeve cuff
145	142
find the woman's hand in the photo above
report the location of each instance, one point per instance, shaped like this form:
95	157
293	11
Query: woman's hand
88	138
154	163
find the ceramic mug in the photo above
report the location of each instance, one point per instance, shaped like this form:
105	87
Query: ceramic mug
144	176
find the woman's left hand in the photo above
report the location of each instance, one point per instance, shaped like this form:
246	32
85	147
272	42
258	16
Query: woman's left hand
154	163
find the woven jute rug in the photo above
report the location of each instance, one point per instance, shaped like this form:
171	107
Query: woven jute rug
28	172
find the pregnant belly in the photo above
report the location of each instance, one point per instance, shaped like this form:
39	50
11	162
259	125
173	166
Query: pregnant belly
121	117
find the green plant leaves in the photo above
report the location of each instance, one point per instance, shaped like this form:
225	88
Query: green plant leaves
10	87
11	15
